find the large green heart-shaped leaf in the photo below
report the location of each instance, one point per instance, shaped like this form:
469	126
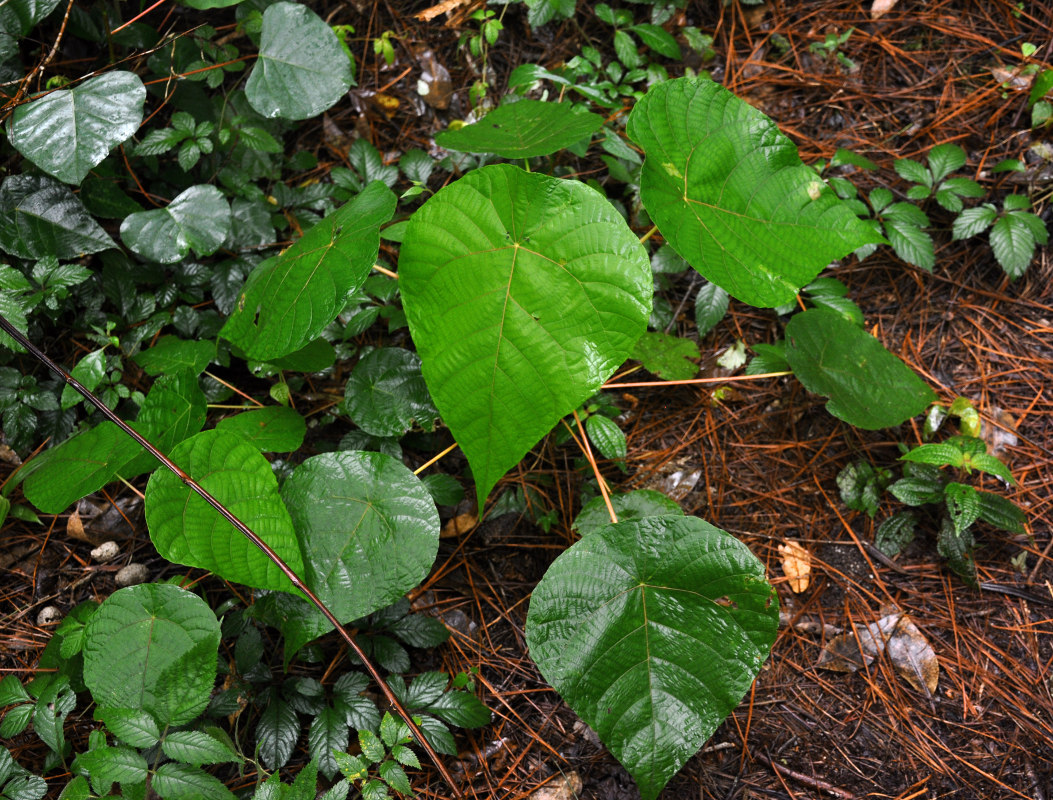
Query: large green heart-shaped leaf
368	528
287	301
730	194
152	647
68	132
302	70
652	630
523	129
868	386
197	219
41	217
523	293
187	530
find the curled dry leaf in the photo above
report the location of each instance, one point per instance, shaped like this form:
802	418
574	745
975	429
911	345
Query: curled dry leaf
462	523
75	527
895	633
796	565
999	433
880	8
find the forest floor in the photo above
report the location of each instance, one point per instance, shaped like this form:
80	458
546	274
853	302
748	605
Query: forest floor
765	454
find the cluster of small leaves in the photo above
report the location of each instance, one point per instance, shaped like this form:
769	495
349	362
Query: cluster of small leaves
387	754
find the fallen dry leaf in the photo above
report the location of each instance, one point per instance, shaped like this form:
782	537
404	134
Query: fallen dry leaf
565	787
462	523
913	656
1012	79
880	8
796	565
75	527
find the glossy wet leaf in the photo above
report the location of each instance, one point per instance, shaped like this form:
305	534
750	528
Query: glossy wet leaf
174	409
711	304
867	386
652	630
523	294
17	18
730	194
41	217
68	132
274	429
160	632
186	530
636	504
197	219
386	393
287	301
277	732
523	129
171	354
368	528
302	70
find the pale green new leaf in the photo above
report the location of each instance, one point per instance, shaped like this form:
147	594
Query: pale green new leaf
368	528
287	301
68	132
302	70
157	629
187	530
652	630
197	219
523	129
523	294
730	194
868	386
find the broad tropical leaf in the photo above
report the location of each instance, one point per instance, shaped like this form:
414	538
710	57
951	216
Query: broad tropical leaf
368	528
386	393
302	70
160	631
868	386
274	429
287	301
523	293
198	219
187	530
652	630
730	194
68	132
523	129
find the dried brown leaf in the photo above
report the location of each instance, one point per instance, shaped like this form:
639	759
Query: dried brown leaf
880	8
460	524
913	656
565	787
796	565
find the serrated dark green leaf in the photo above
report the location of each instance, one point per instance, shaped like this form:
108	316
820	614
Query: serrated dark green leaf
608	438
134	727
868	386
669	357
1013	244
730	194
462	709
917	491
963	505
652	630
351	511
913	171
41	217
939	455
197	219
523	294
658	39
711	304
301	69
68	132
187	530
394	776
277	732
523	129
287	301
1002	513
328	732
945	159
386	393
957	547
198	747
108	765
974	221
895	533
174	781
155	628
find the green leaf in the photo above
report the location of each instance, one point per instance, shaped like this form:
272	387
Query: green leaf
68	132
868	386
945	159
15	721
625	50
523	129
17	18
523	294
658	39
711	304
198	219
41	217
315	356
187	530
974	221
287	301
134	727
730	194
667	356
372	747
917	491
204	5
445	490
275	429
895	533
913	171
1002	513
302	69
171	354
386	393
843	157
158	629
12	691
277	732
198	747
354	512
1013	243
462	709
957	547
652	630
940	455
174	781
963	505
607	437
910	242
328	732
108	765
89	372
174	409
